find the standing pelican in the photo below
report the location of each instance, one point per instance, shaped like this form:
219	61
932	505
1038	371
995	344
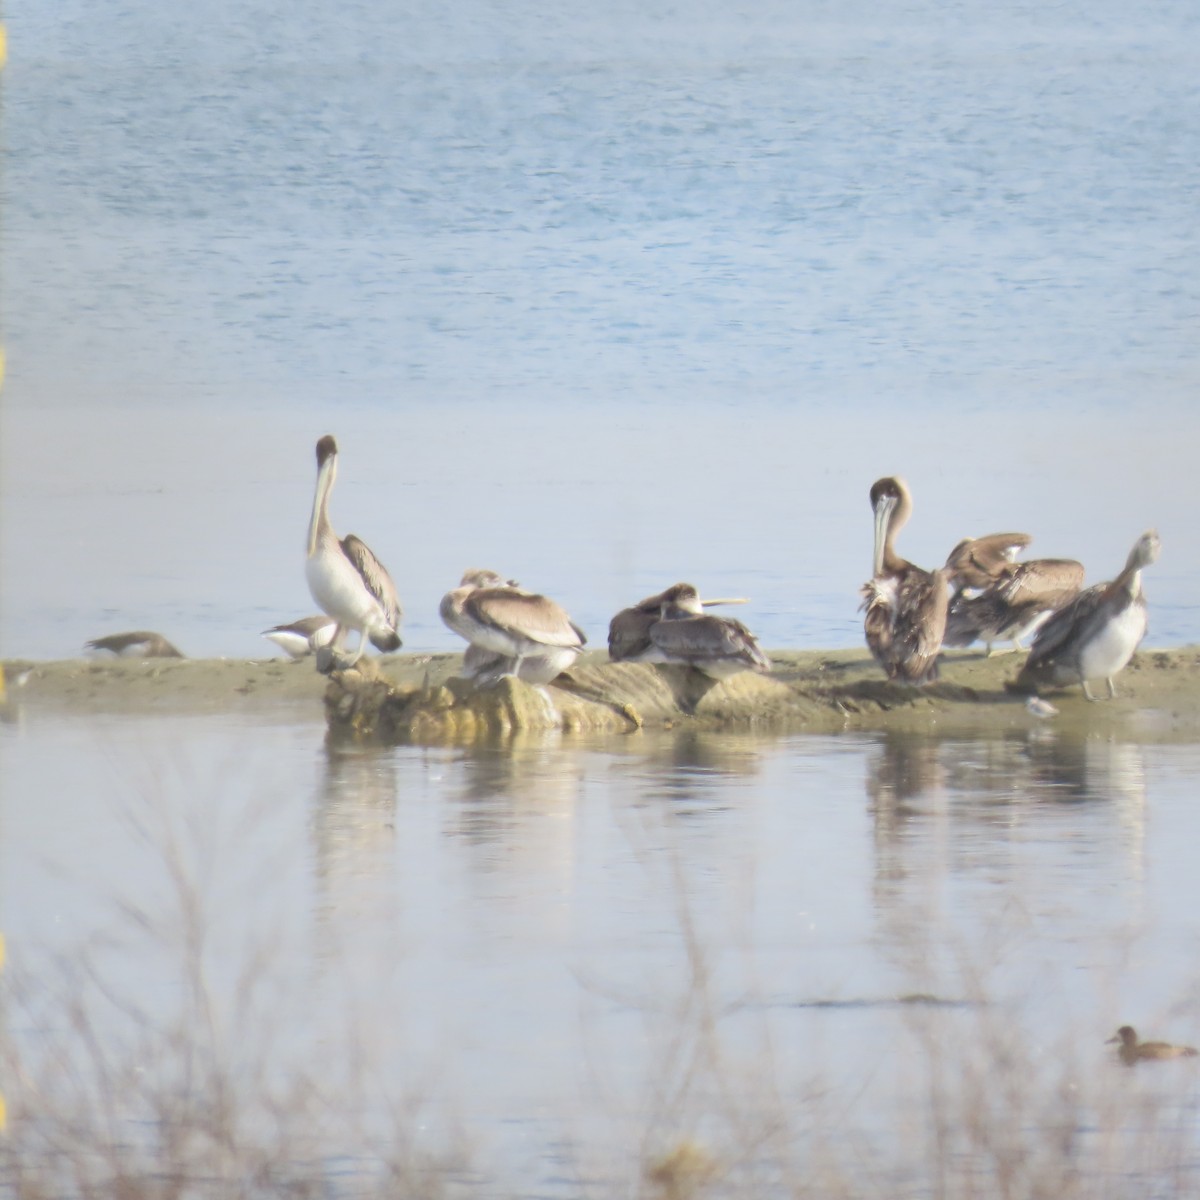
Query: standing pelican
510	631
303	637
142	643
346	580
905	605
1095	635
996	598
685	634
629	630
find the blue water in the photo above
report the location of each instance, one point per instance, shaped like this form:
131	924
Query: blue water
601	300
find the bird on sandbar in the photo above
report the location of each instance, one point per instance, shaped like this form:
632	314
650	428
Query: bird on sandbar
684	634
303	637
1095	635
346	580
511	631
905	604
994	598
141	643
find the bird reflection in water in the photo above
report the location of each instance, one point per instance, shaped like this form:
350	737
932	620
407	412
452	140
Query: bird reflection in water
354	833
948	807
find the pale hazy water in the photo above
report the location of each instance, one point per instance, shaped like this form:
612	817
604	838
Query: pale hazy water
602	299
509	934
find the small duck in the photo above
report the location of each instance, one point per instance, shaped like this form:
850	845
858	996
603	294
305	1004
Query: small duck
1132	1051
141	643
510	631
1094	635
905	605
303	637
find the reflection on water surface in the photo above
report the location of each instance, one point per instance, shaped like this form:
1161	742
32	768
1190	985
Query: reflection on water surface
575	949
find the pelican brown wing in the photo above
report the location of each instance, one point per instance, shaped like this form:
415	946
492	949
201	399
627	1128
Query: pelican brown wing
977	562
375	576
920	623
535	617
1075	618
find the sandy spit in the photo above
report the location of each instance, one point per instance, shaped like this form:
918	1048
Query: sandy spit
407	696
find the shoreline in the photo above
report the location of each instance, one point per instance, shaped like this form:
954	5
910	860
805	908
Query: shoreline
417	697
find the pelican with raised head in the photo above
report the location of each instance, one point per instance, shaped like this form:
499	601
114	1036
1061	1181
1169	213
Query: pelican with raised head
346	580
1094	635
303	637
905	605
510	631
995	598
629	631
683	633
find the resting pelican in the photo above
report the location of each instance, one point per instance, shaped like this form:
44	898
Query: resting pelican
510	631
629	630
139	644
303	637
1132	1051
1094	635
346	580
996	598
683	633
905	605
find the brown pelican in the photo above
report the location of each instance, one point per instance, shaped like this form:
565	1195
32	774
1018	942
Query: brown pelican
997	599
683	633
346	580
1132	1051
139	644
629	630
979	562
303	637
510	631
1094	635
905	605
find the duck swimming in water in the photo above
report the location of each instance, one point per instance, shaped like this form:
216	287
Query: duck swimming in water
1132	1051
510	631
905	605
1094	635
346	580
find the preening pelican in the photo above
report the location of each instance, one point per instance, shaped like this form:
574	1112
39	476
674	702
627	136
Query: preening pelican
510	631
683	633
629	630
303	637
346	580
905	605
140	644
978	562
1094	635
995	598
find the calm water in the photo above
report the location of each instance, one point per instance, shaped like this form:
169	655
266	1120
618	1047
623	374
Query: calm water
513	937
598	300
603	298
